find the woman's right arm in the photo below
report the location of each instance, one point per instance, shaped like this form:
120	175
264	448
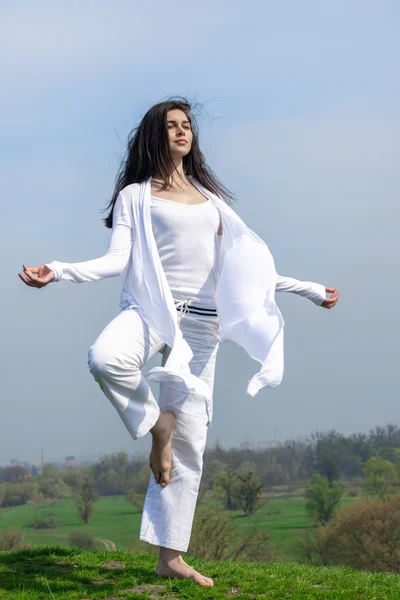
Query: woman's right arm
109	265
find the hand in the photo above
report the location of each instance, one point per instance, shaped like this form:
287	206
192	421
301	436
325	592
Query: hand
36	277
330	302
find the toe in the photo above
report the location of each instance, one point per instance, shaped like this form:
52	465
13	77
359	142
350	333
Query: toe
164	478
204	581
157	475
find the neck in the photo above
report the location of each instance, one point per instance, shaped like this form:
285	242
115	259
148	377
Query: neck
178	177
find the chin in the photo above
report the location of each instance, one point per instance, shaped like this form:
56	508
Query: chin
180	153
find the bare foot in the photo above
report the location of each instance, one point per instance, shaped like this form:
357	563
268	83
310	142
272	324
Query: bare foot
176	567
161	453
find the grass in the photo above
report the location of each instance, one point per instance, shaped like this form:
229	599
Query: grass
60	573
113	518
117	520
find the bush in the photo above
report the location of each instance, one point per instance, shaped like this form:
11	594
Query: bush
308	548
15	494
48	522
214	538
82	539
365	535
12	539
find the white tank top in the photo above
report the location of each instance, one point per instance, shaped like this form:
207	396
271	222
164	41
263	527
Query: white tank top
186	237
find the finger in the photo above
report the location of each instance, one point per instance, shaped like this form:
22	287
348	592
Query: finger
331	304
328	303
27	281
29	273
35	281
329	290
31	269
39	281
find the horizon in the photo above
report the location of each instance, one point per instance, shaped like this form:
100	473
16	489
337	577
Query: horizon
300	122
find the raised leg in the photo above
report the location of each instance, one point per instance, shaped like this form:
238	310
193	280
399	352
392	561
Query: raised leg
116	360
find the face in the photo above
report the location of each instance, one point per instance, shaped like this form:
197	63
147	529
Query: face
180	134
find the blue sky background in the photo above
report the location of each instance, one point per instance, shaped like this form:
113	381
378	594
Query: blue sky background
302	123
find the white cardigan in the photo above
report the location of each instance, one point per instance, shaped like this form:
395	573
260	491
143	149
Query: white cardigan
245	292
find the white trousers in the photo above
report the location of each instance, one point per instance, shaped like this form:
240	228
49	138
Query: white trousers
116	360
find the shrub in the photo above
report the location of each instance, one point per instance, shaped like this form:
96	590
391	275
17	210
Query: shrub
82	539
12	539
365	535
214	537
308	548
15	494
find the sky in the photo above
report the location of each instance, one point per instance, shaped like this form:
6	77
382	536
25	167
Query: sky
300	120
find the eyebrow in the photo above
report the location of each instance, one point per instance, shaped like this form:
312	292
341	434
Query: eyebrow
173	121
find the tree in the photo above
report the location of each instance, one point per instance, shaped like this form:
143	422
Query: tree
328	448
322	498
54	488
84	501
381	478
225	488
111	473
14	474
248	491
136	490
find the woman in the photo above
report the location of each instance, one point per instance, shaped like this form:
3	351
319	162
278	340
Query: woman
196	275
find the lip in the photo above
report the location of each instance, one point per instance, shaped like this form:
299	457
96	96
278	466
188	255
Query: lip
181	142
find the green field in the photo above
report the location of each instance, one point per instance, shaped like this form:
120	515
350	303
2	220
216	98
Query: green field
115	519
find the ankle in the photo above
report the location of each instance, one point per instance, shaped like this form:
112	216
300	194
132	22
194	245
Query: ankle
162	423
167	555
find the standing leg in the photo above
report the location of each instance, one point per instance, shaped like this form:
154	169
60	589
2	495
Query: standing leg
168	513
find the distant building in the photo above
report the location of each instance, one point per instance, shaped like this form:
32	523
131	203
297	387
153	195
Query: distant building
70	461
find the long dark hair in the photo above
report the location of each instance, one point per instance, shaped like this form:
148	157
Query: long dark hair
148	154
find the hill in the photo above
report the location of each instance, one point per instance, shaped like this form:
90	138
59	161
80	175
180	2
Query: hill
59	573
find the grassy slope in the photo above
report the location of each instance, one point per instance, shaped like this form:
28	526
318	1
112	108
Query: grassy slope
116	519
60	573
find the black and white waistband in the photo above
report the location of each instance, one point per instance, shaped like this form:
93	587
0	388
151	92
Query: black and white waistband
186	306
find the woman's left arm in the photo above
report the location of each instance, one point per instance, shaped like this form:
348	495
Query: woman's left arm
316	292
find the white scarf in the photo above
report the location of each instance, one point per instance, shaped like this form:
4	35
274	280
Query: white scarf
245	296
